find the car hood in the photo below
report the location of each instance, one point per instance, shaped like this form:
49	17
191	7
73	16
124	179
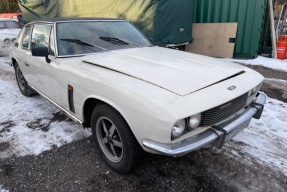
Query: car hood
9	33
176	71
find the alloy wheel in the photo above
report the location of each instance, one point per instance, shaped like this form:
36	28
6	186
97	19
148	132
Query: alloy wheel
109	139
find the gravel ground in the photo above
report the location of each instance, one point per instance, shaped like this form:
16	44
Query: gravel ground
78	167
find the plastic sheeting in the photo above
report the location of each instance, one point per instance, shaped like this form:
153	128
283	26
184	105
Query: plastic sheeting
162	21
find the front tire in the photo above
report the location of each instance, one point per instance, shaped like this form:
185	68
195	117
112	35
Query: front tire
114	140
24	88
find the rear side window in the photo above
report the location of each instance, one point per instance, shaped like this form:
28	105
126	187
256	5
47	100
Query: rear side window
26	37
41	36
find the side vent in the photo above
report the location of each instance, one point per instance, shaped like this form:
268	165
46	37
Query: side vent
71	98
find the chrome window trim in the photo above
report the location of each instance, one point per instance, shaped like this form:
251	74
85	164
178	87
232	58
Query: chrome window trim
55	40
39	22
49	46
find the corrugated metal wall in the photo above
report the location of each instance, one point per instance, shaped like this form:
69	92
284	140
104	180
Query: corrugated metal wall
249	14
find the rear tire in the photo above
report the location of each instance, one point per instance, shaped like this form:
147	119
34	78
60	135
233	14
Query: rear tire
114	140
24	88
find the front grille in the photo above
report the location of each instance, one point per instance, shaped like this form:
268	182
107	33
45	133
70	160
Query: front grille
219	113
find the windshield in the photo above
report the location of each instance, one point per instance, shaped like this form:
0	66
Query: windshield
82	37
9	25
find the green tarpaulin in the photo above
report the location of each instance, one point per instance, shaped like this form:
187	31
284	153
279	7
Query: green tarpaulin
162	21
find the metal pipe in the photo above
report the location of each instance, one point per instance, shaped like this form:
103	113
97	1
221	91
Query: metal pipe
272	26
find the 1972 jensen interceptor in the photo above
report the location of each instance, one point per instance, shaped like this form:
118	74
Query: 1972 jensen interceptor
105	74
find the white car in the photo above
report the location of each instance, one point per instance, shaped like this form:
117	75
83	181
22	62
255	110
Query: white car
106	75
9	30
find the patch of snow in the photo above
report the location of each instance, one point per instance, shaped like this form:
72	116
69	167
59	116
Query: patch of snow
3	61
2	189
275	80
263	61
264	139
29	126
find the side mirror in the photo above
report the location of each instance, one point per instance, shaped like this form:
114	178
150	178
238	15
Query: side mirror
41	52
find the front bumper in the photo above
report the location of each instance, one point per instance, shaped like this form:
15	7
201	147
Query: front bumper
215	136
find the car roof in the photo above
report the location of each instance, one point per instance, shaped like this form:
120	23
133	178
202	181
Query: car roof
67	19
7	19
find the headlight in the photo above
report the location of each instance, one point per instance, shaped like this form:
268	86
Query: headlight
178	128
254	90
14	39
194	121
6	41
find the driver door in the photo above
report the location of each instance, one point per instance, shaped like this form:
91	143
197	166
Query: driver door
42	73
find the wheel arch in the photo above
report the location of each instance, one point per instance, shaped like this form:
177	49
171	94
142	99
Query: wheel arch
13	60
91	103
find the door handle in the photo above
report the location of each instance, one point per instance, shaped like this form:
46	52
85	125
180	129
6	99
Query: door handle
27	64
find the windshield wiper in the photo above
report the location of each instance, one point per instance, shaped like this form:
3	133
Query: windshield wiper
118	41
81	42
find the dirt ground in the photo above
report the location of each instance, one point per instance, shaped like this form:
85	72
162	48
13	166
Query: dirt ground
78	167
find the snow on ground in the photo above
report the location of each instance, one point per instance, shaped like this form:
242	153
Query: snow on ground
29	126
2	189
275	80
264	61
264	139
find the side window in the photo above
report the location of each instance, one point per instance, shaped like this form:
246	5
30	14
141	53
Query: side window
26	37
41	36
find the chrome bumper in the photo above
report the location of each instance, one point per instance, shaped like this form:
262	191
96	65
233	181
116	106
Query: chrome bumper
215	136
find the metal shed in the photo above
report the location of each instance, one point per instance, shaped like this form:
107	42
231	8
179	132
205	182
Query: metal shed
250	15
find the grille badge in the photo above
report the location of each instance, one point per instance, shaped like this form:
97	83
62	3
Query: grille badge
231	88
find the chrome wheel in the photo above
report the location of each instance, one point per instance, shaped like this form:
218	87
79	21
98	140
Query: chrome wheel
20	78
109	139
